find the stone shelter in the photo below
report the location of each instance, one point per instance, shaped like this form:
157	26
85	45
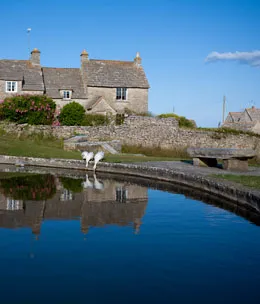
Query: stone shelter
101	86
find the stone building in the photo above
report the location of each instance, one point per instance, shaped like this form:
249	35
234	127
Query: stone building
101	86
247	120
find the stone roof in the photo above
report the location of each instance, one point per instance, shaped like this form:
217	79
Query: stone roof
235	116
254	113
100	73
113	74
22	70
56	79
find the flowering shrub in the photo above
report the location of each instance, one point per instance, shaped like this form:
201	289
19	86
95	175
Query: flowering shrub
72	114
31	187
31	109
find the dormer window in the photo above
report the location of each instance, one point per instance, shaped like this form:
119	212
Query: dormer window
121	93
67	94
11	86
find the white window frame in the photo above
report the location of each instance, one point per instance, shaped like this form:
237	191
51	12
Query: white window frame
13	89
121	94
69	92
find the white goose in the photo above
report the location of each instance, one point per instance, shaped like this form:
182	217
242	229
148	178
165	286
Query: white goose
87	156
99	185
97	158
87	183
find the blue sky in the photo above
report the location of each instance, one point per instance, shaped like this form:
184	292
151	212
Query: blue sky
174	37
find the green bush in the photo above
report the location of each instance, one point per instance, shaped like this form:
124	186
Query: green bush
31	109
72	114
183	121
72	184
95	120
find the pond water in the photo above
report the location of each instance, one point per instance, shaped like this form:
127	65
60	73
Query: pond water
110	239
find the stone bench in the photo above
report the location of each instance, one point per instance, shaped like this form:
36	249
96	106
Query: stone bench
233	159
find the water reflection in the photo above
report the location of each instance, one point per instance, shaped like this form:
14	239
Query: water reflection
28	199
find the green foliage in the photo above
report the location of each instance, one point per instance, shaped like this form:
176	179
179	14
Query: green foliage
230	131
31	109
120	118
72	114
183	121
95	120
131	112
72	184
155	151
246	180
30	187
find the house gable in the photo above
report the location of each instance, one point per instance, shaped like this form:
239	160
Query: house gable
100	105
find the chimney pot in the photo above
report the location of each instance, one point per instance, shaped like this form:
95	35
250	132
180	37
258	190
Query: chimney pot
138	59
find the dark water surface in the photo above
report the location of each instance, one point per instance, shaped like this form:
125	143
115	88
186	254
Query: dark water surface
114	240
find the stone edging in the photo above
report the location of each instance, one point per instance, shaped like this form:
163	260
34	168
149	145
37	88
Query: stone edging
240	195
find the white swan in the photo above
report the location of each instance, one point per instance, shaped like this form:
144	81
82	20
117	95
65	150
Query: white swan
97	158
87	156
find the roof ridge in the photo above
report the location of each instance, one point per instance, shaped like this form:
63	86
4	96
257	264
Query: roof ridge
60	68
112	61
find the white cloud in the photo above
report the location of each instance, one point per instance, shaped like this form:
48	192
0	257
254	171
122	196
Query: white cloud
250	58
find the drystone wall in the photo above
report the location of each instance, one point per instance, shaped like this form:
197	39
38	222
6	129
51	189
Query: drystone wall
145	131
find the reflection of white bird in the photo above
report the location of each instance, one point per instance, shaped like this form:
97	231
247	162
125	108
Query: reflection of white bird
87	183
97	184
87	156
97	158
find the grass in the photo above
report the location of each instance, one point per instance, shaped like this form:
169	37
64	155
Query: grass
246	180
35	146
177	153
128	158
48	147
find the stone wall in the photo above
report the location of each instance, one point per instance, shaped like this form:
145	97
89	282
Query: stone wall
145	131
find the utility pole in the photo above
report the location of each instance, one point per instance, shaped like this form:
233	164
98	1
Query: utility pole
29	42
224	109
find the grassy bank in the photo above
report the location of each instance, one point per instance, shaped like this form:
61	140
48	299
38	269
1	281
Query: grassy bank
48	147
34	146
246	180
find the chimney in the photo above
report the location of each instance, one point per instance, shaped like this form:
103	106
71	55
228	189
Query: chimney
84	57
35	57
138	59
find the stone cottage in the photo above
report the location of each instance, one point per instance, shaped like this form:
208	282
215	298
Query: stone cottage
247	120
101	86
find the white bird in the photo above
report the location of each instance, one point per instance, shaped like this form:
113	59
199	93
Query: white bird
87	156
87	183
97	158
99	185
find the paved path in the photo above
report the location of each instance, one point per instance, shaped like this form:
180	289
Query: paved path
187	167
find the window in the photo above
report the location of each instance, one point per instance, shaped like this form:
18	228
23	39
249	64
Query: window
121	93
121	194
11	86
66	94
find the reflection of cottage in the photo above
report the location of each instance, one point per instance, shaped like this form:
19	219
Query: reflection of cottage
95	207
101	86
248	120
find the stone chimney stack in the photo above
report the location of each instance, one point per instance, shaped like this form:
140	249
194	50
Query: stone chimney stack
138	59
83	70
84	57
35	57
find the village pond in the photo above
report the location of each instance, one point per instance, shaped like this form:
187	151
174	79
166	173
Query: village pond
68	237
